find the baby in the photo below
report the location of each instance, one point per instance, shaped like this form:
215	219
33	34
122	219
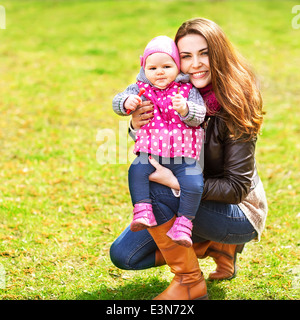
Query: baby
174	136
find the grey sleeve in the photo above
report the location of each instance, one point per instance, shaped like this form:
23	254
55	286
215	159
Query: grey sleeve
119	99
197	109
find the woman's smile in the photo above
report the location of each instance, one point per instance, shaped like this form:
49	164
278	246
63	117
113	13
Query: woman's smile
199	75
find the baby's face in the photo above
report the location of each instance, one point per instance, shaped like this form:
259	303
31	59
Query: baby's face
160	69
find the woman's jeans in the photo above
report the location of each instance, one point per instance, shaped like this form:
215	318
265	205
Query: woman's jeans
187	171
219	222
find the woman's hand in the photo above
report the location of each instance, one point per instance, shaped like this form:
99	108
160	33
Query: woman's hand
163	175
142	115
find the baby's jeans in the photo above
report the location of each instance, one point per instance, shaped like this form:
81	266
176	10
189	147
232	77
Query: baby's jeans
188	172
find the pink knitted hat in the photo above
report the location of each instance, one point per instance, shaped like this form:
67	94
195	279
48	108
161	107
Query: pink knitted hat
161	44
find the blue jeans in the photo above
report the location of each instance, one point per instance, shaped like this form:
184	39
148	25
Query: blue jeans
220	222
187	171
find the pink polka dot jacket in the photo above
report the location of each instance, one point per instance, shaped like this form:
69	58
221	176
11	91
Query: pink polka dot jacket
168	134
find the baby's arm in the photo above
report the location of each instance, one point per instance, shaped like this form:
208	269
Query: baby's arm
120	101
180	105
132	102
196	109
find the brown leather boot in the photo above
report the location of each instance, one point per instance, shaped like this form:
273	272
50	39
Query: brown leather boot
200	249
225	257
188	283
223	254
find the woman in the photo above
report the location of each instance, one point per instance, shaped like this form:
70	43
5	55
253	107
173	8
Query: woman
233	208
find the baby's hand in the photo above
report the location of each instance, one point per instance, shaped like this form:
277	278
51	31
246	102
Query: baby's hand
132	102
180	105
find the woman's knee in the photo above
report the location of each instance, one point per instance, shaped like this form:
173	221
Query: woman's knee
118	257
195	188
193	185
164	203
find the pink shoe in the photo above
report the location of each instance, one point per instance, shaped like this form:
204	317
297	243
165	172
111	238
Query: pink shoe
143	217
181	232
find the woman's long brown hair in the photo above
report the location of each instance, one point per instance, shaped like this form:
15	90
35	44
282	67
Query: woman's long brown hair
233	81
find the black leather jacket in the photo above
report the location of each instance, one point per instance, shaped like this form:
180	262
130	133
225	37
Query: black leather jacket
229	165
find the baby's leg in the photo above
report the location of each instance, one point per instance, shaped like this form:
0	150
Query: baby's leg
191	187
189	175
138	178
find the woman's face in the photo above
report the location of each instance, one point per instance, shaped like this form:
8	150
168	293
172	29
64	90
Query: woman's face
194	60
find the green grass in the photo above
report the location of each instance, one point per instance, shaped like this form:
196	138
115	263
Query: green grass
61	63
